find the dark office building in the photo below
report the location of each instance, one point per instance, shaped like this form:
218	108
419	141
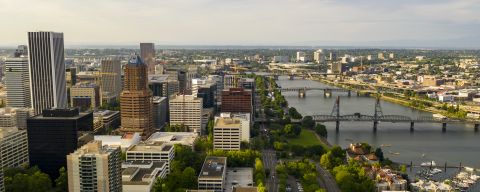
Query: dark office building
53	135
160	112
237	100
182	80
208	95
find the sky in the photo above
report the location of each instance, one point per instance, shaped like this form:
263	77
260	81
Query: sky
453	23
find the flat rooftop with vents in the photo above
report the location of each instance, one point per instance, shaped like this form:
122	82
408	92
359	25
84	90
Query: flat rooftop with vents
212	175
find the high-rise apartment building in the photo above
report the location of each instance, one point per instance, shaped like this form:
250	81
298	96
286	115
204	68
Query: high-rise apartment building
47	70
136	99
53	135
111	75
17	82
237	100
186	110
147	52
85	96
13	149
94	167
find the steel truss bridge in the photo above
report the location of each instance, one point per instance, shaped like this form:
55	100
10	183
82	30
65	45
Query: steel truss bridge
302	91
378	116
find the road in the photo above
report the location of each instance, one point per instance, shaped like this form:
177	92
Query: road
269	162
329	182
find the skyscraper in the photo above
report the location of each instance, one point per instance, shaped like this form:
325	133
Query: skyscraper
147	53
136	99
94	167
17	82
47	70
111	77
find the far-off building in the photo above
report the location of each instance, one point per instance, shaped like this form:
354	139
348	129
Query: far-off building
85	96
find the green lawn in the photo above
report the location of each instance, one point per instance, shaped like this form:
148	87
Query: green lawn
306	138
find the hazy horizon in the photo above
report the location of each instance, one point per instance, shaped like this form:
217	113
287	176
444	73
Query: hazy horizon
372	23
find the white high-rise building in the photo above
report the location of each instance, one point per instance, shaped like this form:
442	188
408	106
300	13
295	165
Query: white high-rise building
318	56
301	56
17	82
47	70
186	110
94	167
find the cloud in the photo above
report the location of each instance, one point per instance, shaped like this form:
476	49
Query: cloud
245	22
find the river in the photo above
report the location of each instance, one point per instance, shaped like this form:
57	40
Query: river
459	144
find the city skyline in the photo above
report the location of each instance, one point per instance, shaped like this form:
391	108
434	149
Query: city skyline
407	23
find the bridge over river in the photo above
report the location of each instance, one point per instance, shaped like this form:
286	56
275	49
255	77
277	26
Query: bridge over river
378	116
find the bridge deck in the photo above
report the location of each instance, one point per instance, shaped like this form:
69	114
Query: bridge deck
384	118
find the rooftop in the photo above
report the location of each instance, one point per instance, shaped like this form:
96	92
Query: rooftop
227	122
105	113
213	167
158	78
184	138
152	147
135	60
140	173
239	177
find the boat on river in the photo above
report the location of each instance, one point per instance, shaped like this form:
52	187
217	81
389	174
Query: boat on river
427	164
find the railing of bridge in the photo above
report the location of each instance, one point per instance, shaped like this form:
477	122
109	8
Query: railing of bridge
384	118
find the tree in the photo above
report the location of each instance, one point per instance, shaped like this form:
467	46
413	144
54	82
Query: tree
294	113
61	183
158	186
333	158
379	154
308	122
321	130
22	179
352	177
288	130
297	130
189	178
